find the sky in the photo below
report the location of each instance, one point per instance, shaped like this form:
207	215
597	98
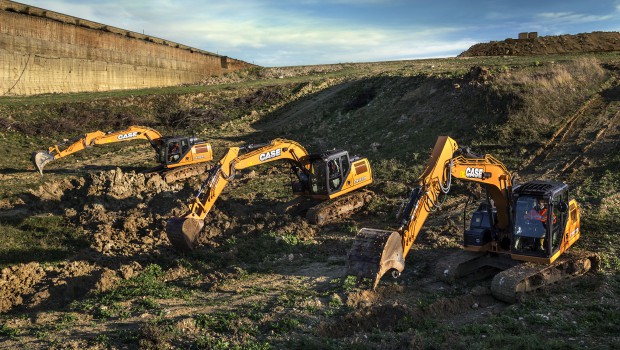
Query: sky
274	33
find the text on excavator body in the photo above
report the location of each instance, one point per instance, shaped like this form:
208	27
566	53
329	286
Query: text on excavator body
474	173
270	154
127	136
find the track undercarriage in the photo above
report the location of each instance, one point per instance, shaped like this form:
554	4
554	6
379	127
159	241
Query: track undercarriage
509	285
337	208
184	172
514	278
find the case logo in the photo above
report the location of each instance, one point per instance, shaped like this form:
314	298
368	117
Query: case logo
474	173
127	136
270	154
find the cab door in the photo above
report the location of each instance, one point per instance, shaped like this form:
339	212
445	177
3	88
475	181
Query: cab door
174	152
318	177
558	217
335	173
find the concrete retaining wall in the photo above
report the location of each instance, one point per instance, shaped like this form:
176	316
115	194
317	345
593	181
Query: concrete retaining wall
47	52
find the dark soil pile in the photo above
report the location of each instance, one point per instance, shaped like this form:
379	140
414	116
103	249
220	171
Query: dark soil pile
548	45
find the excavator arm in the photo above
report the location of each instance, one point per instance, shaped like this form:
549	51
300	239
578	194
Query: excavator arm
42	158
183	231
376	252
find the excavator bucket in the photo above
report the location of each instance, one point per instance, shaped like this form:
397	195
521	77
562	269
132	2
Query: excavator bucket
374	253
183	232
40	159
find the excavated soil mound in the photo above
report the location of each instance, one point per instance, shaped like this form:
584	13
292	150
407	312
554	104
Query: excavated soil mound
17	281
547	45
124	213
123	217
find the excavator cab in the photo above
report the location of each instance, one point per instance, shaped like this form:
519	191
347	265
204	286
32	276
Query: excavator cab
540	217
328	172
174	150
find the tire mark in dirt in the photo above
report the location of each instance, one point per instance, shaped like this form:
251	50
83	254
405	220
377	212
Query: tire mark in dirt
590	145
593	124
316	98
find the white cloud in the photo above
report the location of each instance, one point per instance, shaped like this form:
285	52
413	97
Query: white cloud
258	32
347	2
571	17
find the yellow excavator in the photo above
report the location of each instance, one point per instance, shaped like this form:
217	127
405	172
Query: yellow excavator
178	157
331	178
522	230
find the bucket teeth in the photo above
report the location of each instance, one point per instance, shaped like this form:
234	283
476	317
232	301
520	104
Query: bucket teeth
40	159
374	253
183	232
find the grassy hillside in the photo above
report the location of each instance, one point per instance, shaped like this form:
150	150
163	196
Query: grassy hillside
86	262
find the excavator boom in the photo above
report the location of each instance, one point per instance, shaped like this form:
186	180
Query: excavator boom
375	252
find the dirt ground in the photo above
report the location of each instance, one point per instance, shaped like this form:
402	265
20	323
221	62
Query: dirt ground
262	278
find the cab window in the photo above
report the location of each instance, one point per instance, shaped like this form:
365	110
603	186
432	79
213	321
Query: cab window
174	151
335	174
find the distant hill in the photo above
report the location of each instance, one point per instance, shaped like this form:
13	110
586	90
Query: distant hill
546	45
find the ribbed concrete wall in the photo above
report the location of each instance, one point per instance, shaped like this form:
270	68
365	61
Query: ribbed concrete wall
47	52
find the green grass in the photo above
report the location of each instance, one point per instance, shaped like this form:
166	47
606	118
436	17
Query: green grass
148	283
8	332
39	238
142	292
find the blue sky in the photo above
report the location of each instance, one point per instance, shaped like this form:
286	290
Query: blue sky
304	32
